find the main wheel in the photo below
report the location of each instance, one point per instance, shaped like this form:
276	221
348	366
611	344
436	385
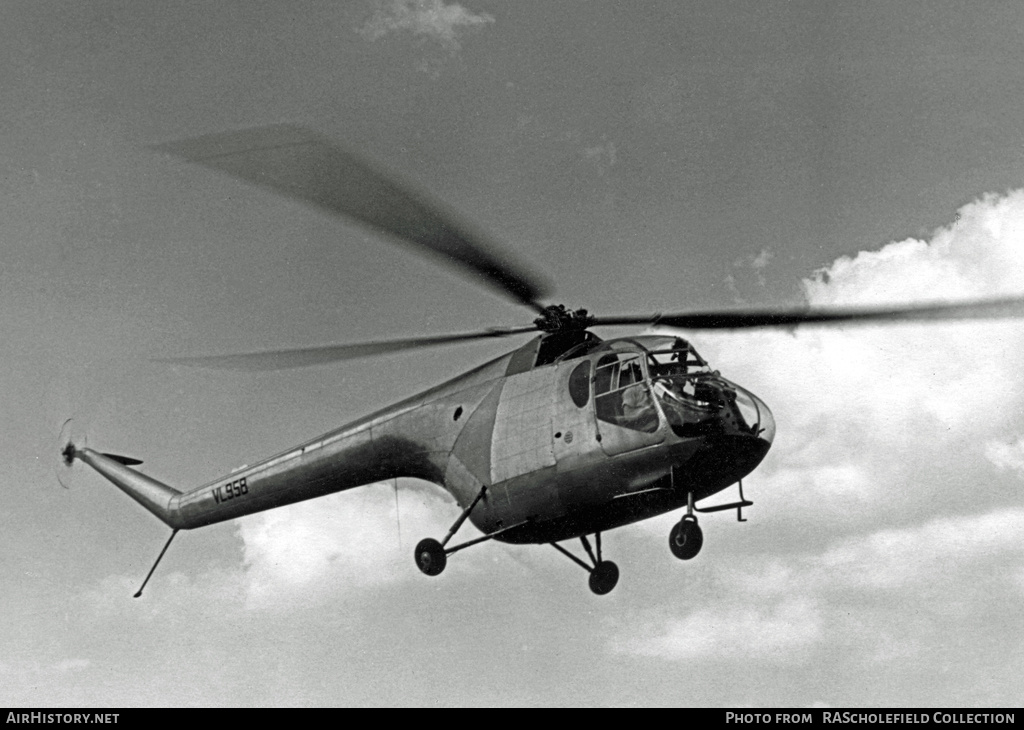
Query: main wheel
430	556
686	538
604	577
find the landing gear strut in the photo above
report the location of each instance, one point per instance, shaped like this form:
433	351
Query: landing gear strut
686	537
432	556
603	575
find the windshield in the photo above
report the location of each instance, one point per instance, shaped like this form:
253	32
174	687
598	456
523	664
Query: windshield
696	399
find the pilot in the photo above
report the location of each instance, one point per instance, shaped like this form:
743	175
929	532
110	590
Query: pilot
680	358
638	410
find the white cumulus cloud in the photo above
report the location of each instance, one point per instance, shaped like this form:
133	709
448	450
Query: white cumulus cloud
1007	455
71	665
892	414
782	609
432	20
727	632
339	543
886	525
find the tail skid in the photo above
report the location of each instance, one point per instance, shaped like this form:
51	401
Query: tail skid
153	495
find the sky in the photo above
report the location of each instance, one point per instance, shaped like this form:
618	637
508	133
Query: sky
643	157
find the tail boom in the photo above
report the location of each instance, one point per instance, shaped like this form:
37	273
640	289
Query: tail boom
155	496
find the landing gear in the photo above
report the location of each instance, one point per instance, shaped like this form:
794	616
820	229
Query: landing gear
604	575
431	558
686	537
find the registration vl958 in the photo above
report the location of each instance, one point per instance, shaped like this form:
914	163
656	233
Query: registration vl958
230	490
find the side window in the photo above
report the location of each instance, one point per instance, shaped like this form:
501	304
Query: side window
606	380
621	396
579	384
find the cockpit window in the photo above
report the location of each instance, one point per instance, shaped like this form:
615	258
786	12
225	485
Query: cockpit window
579	384
581	345
621	395
696	399
676	357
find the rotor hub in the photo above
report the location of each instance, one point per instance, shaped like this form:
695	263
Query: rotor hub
558	318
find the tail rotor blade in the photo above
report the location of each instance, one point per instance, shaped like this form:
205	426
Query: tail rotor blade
70	439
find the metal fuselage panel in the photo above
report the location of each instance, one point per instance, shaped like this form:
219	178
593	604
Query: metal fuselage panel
521	441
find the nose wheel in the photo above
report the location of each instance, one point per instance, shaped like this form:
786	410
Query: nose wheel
686	538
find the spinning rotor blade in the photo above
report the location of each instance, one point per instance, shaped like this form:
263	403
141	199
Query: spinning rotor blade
300	164
978	309
306	356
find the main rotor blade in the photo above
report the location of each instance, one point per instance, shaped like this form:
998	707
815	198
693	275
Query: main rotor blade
300	164
725	320
306	356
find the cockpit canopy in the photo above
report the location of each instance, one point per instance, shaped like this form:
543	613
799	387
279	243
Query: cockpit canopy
641	382
694	399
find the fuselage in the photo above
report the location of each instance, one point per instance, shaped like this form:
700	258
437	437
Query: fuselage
602	435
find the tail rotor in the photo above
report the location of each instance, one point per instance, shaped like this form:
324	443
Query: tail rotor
70	441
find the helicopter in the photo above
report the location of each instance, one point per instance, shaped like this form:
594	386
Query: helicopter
564	437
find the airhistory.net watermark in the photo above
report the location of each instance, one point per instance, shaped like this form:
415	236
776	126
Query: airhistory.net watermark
63	718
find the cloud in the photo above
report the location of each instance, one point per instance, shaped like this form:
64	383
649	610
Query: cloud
728	632
335	549
25	680
780	610
761	260
71	665
756	263
759	263
430	20
876	418
886	524
1007	455
339	544
896	558
63	666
